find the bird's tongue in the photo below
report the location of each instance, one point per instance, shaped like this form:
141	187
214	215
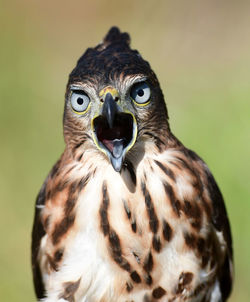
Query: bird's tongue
115	146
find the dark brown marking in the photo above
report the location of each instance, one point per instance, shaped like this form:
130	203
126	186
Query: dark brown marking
196	188
156	243
137	258
70	289
212	263
153	220
129	215
196	224
52	263
185	165
174	202
148	279
116	251
148	263
174	164
129	287
82	183
184	280
219	214
158	292
38	232
204	259
167	231
206	250
127	209
79	158
135	277
166	170
190	239
187	277
178	206
73	188
61	185
193	211
104	210
58	255
192	155
226	278
62	228
201	245
77	146
69	205
131	171
133	226
199	289
94	172
70	169
70	199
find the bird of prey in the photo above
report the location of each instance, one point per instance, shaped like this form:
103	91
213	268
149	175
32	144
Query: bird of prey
128	213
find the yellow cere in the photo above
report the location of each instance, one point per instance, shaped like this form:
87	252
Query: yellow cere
109	89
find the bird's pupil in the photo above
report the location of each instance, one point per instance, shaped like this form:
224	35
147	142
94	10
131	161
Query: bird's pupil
140	92
79	101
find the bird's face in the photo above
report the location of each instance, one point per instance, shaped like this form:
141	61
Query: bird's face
113	100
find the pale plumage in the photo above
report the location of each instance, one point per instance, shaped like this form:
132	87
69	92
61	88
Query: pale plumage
128	213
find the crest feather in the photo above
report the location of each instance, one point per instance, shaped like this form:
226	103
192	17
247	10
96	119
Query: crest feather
114	35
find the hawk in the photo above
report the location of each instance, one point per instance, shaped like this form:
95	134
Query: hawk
127	213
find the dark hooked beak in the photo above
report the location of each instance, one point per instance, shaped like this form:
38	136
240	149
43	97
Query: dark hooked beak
109	109
114	131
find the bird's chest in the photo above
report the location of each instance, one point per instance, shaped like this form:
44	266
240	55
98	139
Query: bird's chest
128	239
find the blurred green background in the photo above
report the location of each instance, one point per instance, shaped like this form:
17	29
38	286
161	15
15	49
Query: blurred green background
200	51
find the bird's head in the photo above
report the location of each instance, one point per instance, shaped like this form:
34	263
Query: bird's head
113	101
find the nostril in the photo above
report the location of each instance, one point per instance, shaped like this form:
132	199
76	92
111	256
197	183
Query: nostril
101	100
116	99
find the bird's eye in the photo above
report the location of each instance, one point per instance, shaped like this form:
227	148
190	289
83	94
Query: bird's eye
79	101
140	93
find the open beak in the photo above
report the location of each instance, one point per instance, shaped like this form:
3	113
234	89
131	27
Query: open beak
114	130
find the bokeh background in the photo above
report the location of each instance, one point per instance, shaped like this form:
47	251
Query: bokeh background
200	51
